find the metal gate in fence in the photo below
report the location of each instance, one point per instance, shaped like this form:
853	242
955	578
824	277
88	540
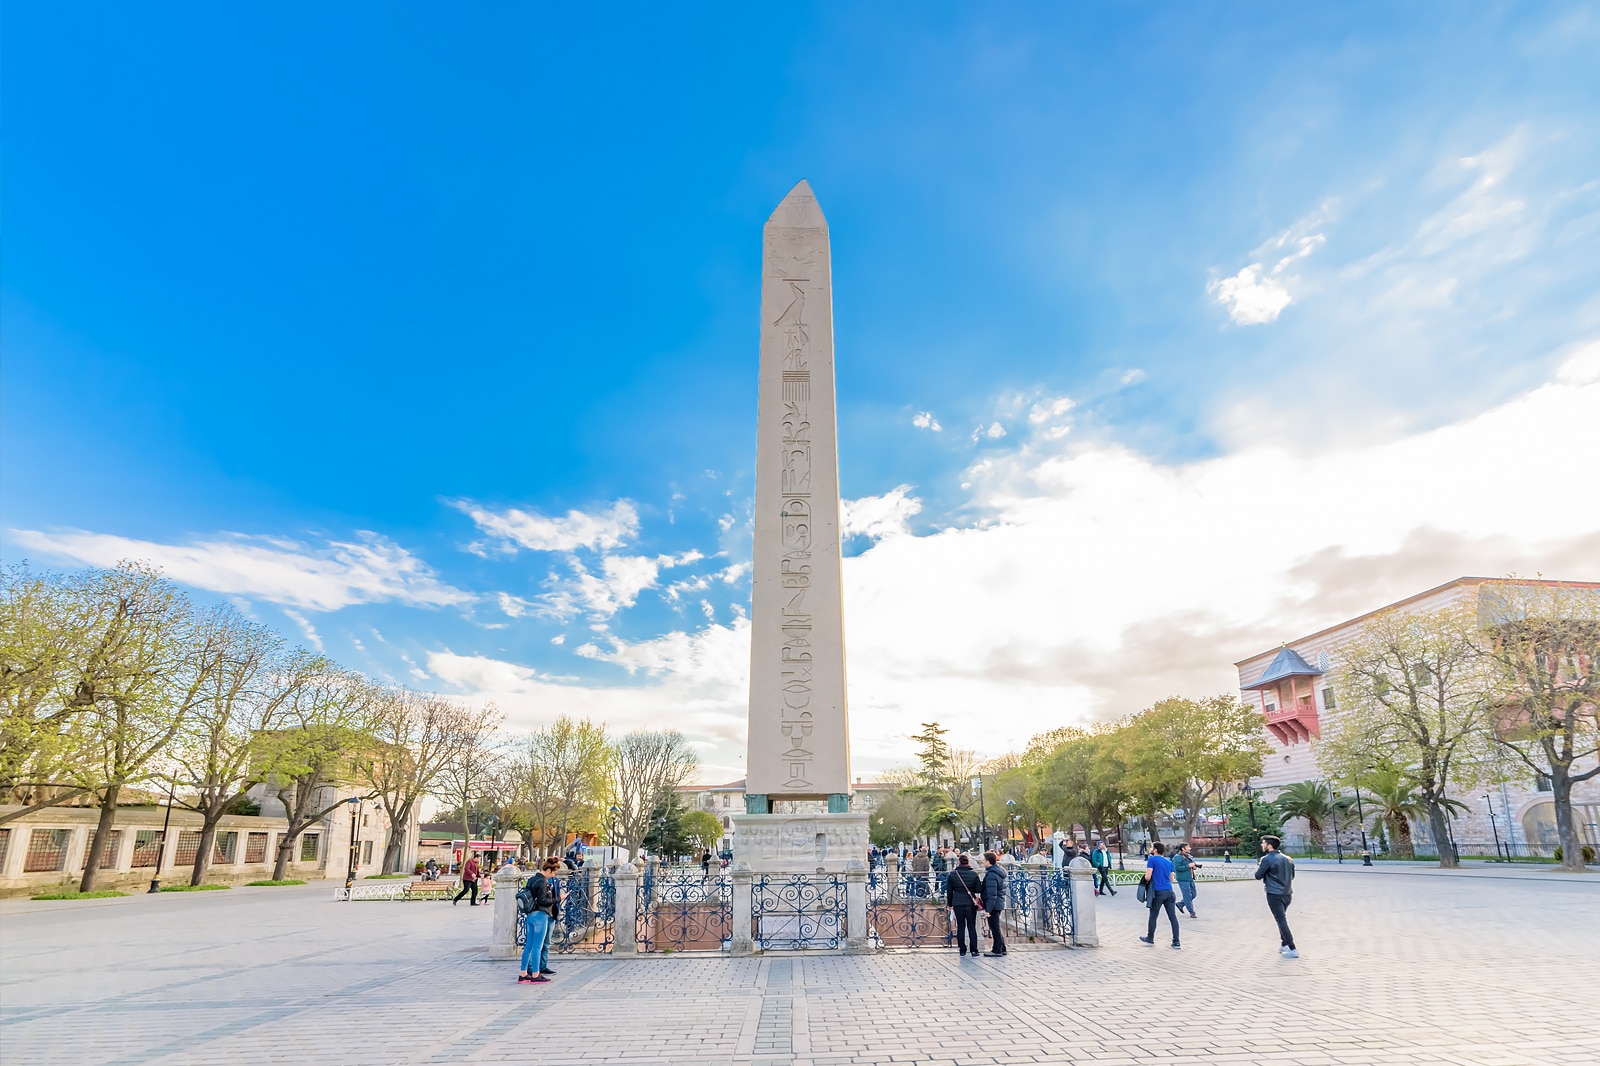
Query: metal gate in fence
907	910
587	917
1038	906
797	911
684	910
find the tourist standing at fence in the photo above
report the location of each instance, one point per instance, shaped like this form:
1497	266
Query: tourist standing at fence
705	865
994	901
1100	859
469	880
1276	872
1183	868
1158	882
538	906
963	894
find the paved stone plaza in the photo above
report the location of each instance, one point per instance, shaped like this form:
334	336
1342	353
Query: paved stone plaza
1397	967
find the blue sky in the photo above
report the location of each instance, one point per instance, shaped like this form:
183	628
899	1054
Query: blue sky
431	337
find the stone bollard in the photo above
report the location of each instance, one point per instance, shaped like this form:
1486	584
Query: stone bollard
507	880
625	918
1080	883
891	873
743	942
857	939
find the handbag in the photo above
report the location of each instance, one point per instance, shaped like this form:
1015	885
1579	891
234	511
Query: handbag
1143	894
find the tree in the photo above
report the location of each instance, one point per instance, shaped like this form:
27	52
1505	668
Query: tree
216	760
667	836
898	818
148	666
470	761
933	754
1414	690
414	734
1081	782
1311	800
646	766
1391	797
571	762
314	748
1544	644
44	623
1250	819
702	828
1183	751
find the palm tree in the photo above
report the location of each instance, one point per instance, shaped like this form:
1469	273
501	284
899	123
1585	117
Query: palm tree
1392	798
1311	800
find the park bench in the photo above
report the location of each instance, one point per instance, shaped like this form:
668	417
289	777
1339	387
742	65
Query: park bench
431	889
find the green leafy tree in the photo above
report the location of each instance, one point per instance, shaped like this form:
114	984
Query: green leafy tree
898	819
1250	821
702	829
1544	644
1082	782
1311	800
1389	796
1414	689
1182	752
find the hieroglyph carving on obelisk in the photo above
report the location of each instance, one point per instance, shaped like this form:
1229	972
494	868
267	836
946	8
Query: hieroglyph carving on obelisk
799	725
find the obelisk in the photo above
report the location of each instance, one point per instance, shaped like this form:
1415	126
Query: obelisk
799	744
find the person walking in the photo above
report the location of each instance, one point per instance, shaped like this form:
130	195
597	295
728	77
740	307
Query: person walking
994	902
1183	868
1100	859
705	865
963	894
1158	879
469	881
1276	872
538	905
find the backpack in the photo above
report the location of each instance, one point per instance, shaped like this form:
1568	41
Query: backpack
525	901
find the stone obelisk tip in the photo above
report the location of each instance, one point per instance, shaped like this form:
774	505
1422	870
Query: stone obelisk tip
799	210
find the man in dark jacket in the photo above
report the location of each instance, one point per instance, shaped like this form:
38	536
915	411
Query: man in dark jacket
994	901
1275	871
963	894
469	880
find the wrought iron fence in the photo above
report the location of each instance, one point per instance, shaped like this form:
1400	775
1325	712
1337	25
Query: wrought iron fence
798	911
587	917
908	910
1038	905
684	910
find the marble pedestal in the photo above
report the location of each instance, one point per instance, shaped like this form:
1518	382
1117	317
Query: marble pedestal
800	843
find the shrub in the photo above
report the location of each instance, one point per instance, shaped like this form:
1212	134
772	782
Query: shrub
195	888
101	893
385	877
1588	854
272	884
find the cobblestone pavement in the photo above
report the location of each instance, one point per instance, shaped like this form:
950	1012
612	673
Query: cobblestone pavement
1394	969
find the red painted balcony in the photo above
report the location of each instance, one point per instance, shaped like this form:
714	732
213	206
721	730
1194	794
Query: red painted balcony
1293	725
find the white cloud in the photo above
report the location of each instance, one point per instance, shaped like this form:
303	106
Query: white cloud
925	420
993	431
558	639
312	636
512	528
1133	377
615	587
369	569
880	516
514	606
1250	298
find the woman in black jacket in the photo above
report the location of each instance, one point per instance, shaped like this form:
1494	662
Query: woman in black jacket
963	894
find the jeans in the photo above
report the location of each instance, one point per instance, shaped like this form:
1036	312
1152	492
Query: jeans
465	886
1279	905
999	945
1103	875
1160	898
966	929
1187	902
536	942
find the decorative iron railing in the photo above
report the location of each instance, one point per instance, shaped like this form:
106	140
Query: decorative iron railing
798	911
1038	905
908	910
586	918
684	909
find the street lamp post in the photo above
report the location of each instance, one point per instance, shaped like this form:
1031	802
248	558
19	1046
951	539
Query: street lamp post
1250	801
355	810
1333	812
1493	828
1011	820
611	828
1361	815
983	820
161	845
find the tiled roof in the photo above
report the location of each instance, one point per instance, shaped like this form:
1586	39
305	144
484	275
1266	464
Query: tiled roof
1287	664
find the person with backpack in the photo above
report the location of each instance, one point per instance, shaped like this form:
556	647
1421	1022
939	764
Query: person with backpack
994	902
1183	868
538	905
1275	871
963	894
1158	883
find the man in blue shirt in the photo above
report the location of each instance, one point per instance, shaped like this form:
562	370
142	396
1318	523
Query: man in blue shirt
1158	880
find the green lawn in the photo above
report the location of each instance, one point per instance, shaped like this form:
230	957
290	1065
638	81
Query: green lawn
102	893
195	888
385	877
272	884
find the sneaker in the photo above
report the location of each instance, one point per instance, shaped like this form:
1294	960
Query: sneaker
1148	940
1176	946
1290	953
994	954
523	978
547	973
540	980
